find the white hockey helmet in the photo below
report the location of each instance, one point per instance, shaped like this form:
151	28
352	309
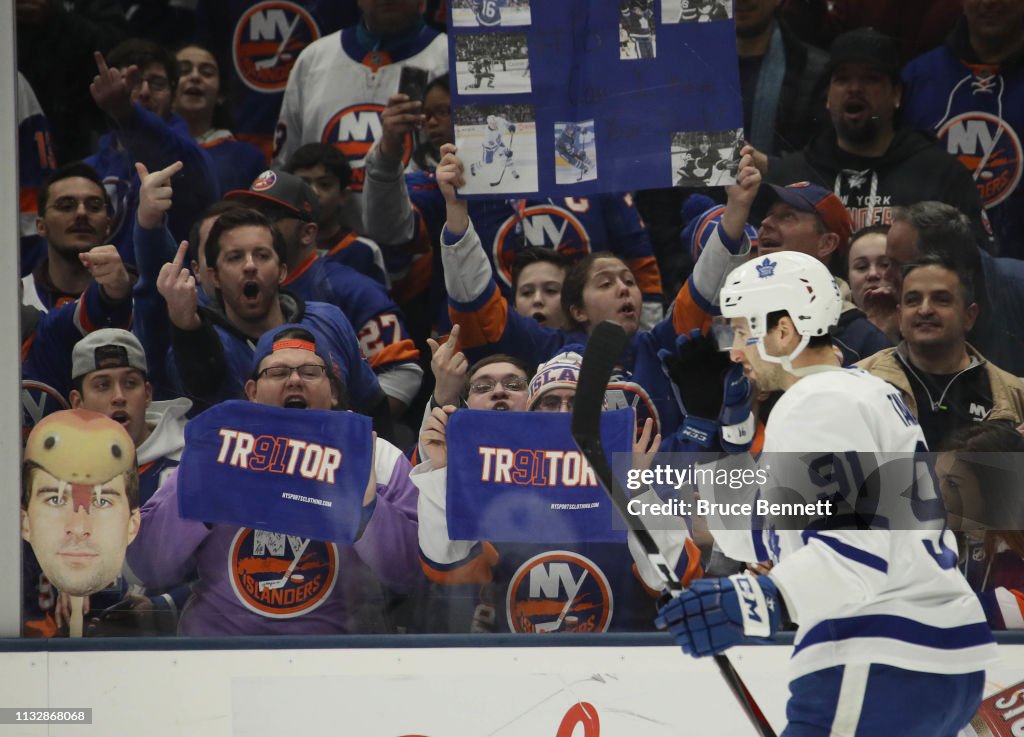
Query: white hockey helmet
791	281
492	122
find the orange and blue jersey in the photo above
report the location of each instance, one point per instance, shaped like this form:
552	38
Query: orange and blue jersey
574	226
383	338
488	325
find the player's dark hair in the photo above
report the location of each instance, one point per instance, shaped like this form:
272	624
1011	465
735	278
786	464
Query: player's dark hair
222	117
309	155
535	255
520	364
239	217
131	484
217	209
333	376
142	53
74	169
575	281
949	264
816	341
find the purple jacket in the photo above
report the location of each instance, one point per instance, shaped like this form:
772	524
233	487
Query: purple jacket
254	582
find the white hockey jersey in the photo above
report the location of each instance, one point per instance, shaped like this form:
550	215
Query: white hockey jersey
892	596
337	91
492	136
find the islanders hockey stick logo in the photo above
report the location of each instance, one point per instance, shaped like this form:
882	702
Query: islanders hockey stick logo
559	591
991	151
353	131
281	576
547	226
267	40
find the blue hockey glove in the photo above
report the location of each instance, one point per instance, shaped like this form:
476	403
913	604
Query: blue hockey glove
716	613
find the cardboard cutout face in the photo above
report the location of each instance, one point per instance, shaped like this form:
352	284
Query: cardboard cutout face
80	499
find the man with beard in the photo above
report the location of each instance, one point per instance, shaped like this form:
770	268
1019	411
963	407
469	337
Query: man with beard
213	345
868	160
74	218
781	79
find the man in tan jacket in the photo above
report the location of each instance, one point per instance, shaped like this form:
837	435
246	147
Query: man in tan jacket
945	381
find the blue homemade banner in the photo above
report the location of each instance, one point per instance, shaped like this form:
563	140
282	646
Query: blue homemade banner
565	98
519	477
298	472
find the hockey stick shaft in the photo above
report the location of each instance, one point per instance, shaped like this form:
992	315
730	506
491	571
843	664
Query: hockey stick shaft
604	346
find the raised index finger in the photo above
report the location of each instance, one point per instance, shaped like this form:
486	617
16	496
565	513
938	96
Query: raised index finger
101	63
169	171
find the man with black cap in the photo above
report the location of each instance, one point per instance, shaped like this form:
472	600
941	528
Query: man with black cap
291	205
867	159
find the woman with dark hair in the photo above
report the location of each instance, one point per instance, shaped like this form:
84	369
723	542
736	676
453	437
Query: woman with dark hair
200	100
979	475
870	278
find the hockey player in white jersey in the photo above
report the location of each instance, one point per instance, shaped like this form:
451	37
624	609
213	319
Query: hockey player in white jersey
494	150
890	639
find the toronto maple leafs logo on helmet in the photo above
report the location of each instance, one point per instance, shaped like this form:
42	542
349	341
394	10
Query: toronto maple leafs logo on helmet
766	268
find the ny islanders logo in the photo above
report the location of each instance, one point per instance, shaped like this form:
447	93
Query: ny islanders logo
267	40
281	576
559	591
547	226
37	401
353	131
117	191
991	151
622	393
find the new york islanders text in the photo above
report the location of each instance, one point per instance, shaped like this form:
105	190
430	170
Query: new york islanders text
278	455
535	467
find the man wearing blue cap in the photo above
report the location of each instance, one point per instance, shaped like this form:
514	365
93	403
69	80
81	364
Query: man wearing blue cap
801	217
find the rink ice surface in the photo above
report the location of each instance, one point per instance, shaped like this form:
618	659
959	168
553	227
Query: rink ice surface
470	138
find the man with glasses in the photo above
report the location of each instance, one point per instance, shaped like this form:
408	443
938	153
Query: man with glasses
337	588
135	88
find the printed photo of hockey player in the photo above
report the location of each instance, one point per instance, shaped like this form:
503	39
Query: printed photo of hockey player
492	64
636	29
705	158
695	11
490	13
575	152
498	144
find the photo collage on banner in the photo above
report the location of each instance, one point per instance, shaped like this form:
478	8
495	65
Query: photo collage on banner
569	98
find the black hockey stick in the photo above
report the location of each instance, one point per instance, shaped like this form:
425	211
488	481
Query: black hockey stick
604	346
508	159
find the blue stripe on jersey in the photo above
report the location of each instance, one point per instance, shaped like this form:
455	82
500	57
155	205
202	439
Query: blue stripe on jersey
848	551
897	628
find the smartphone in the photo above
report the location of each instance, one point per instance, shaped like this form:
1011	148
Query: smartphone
413	82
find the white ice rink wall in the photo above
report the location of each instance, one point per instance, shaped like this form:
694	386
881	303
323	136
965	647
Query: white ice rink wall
425	687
